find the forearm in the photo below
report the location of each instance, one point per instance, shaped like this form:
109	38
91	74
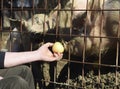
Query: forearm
17	58
42	54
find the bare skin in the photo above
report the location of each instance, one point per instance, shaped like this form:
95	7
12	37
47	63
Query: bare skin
41	54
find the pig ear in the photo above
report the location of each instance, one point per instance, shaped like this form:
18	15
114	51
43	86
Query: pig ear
54	12
94	6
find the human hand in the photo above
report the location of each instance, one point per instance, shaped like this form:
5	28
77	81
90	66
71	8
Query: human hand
46	55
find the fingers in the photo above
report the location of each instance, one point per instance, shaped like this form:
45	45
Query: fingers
58	56
49	44
51	55
1	77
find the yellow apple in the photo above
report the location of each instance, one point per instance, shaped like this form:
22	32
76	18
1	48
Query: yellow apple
58	47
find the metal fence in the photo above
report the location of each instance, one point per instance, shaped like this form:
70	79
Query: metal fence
88	29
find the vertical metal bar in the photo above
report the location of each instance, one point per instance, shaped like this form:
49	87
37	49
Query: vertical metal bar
11	12
101	28
117	52
1	13
84	47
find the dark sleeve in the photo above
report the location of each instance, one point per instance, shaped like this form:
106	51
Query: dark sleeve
2	56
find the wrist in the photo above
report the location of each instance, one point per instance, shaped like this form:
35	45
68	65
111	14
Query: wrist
36	55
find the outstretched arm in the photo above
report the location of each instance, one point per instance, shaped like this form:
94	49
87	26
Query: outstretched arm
41	54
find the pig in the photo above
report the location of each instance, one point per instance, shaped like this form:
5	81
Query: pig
40	22
99	41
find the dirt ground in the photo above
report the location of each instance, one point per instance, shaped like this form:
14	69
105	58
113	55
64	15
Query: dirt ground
90	79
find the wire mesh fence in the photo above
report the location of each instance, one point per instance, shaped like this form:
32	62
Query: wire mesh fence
88	30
